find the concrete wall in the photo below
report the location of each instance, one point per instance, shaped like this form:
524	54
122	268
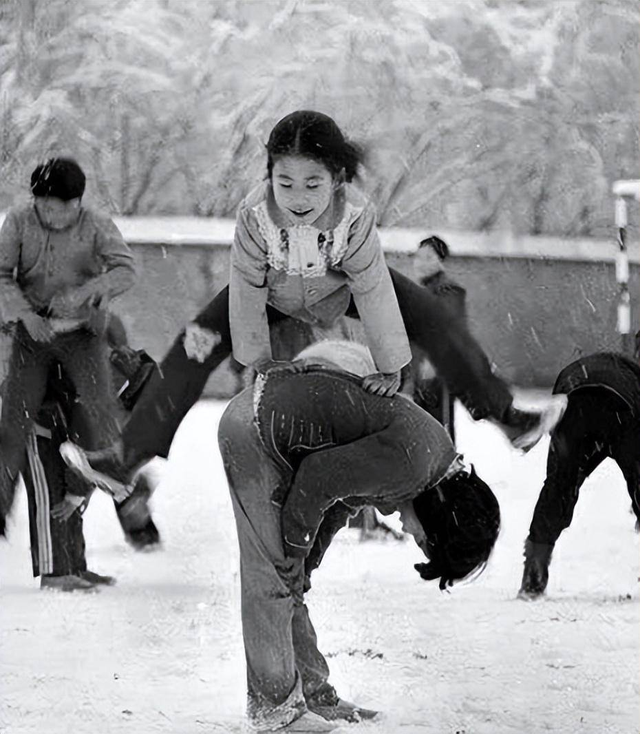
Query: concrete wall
533	316
534	303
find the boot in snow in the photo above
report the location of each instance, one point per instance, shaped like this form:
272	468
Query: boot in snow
537	557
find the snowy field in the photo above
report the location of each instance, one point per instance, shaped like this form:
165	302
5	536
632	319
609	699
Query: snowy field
161	652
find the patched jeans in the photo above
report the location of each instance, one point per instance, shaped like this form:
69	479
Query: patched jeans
284	666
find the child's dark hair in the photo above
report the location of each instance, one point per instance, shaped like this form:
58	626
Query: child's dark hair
314	135
461	519
439	246
61	178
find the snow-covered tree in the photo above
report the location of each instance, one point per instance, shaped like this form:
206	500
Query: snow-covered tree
475	113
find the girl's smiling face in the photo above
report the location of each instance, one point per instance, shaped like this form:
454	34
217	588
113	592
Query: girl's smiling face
302	188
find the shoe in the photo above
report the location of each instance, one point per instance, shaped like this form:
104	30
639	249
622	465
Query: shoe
344	711
66	583
537	557
144	539
98	579
103	468
331	707
308	723
134	515
132	388
524	428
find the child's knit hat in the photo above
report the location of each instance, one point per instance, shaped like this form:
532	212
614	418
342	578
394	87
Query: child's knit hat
59	177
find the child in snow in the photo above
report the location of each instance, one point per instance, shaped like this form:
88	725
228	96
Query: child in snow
306	247
60	264
602	420
303	450
57	497
430	391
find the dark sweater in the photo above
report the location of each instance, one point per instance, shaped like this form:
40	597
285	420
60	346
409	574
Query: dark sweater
608	370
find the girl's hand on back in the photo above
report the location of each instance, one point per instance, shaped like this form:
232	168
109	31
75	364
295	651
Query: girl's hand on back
381	383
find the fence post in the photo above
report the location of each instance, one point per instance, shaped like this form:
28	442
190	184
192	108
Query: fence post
622	276
623	191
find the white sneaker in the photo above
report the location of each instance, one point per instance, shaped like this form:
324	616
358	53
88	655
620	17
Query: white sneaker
76	459
549	419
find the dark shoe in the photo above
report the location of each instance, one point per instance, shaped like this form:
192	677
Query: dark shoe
144	539
96	578
525	428
537	557
66	583
137	377
135	516
104	468
332	708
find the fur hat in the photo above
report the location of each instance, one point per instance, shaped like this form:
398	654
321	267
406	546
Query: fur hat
61	178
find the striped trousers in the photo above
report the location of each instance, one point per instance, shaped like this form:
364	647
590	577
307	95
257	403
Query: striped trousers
57	547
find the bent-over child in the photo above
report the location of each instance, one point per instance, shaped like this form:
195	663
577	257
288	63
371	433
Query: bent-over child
303	450
602	421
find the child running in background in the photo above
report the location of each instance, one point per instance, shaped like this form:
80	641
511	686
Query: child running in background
306	246
60	265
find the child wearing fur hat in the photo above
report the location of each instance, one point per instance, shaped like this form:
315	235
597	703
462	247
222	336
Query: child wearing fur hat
60	265
303	450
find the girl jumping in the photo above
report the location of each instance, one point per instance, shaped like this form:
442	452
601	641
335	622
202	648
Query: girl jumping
306	247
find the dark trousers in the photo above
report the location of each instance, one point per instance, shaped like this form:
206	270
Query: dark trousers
433	396
596	425
57	546
84	358
430	324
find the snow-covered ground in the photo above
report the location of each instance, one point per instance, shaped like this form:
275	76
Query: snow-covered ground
162	651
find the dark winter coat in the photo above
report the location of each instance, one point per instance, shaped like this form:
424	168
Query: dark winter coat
607	370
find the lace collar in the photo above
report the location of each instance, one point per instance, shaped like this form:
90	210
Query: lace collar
306	249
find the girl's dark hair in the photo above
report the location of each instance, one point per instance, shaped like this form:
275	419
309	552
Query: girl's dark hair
59	177
461	519
313	135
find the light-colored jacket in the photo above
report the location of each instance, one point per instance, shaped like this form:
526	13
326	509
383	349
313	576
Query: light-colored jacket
310	272
37	263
